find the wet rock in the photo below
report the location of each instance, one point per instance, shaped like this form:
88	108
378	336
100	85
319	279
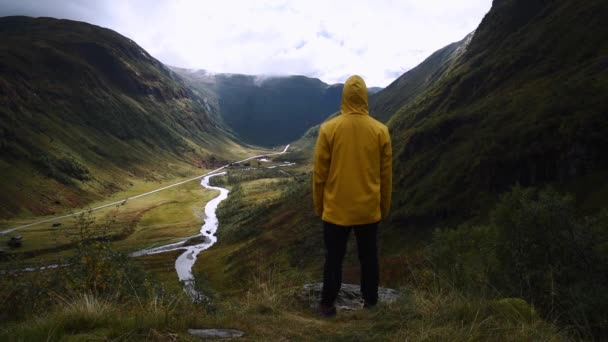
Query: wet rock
349	297
216	333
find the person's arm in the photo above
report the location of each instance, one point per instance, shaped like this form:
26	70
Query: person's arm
386	175
320	170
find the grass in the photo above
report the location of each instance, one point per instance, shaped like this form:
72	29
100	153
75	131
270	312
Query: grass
155	219
162	266
86	318
262	189
258	274
267	311
253	279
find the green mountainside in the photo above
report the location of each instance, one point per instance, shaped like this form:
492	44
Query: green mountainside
525	104
383	104
266	111
519	101
82	109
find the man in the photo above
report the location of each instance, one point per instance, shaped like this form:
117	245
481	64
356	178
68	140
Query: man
352	183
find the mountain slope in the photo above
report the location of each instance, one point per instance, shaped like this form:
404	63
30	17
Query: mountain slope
385	103
264	110
81	109
524	104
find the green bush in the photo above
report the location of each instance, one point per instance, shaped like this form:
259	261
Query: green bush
63	170
466	256
24	294
537	248
235	176
73	169
95	267
553	258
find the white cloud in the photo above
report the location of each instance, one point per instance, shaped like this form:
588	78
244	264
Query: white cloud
325	39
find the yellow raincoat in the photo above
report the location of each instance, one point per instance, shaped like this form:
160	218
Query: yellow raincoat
352	178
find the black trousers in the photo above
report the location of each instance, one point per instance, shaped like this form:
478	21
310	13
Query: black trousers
336	237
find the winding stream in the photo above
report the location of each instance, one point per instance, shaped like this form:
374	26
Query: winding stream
184	263
190	245
186	260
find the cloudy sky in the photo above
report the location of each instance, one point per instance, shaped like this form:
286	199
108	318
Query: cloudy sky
377	39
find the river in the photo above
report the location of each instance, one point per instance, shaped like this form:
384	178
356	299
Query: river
186	260
184	263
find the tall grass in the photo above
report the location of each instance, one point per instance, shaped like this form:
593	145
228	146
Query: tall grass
434	305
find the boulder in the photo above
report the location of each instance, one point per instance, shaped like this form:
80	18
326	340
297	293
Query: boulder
349	297
216	333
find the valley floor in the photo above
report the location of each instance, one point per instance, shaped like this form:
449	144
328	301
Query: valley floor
269	246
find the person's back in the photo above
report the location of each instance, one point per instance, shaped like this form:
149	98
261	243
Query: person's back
352	187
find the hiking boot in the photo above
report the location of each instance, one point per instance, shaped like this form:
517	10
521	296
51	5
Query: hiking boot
327	311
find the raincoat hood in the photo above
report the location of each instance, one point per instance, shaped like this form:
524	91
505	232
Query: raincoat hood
354	97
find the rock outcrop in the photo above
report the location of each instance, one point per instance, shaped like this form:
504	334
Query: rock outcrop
349	297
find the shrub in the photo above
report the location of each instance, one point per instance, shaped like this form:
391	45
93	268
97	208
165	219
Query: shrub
466	256
62	170
73	168
24	294
239	175
94	270
536	248
551	257
95	267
